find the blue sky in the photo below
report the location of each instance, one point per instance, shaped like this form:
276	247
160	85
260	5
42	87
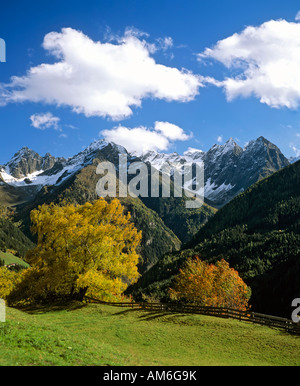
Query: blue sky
172	93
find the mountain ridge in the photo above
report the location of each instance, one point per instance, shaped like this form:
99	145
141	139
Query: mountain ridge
228	169
222	180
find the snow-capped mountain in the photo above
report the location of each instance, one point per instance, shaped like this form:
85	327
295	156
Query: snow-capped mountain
228	169
294	159
27	167
27	161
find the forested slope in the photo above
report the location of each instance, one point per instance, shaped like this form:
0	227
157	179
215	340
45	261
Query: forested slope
258	233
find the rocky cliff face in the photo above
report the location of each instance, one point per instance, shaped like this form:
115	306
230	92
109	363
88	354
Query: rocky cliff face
27	162
228	169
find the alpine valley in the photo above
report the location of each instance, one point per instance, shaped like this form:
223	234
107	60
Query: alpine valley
249	206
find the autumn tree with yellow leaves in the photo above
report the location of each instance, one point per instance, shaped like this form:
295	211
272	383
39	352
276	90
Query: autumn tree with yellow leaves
206	284
8	280
81	249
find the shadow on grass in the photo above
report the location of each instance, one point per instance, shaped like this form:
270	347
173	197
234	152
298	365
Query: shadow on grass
150	315
51	307
155	315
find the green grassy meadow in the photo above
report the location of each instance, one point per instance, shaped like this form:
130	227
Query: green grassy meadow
81	335
9	258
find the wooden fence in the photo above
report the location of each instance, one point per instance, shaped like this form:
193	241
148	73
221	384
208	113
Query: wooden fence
253	317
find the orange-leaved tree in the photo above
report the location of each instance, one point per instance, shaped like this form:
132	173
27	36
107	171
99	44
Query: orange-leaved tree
215	285
81	249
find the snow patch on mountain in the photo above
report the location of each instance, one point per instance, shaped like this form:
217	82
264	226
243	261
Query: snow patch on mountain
294	159
212	190
54	175
228	168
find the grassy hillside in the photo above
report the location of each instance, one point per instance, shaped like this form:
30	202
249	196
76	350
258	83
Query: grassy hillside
258	233
9	258
105	335
10	195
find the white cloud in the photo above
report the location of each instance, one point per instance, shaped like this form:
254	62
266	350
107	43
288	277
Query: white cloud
136	139
296	150
44	121
297	17
220	138
171	131
192	150
165	43
100	79
143	139
267	58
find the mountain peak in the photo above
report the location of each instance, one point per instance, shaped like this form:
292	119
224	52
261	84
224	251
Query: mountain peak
230	144
231	141
193	153
26	162
23	151
261	143
100	144
264	141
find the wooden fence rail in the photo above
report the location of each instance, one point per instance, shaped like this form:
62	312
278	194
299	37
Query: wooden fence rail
248	316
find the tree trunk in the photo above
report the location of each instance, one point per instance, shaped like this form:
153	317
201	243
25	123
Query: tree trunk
79	295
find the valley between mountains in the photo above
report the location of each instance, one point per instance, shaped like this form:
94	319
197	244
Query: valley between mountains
250	216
